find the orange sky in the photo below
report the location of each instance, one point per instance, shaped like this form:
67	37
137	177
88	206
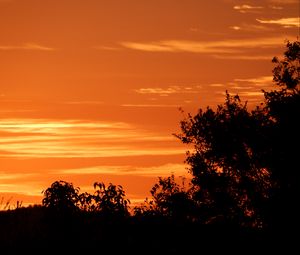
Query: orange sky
90	89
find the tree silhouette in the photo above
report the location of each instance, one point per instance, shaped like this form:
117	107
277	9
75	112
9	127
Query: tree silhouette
61	196
229	177
64	197
287	71
110	200
283	107
243	161
169	199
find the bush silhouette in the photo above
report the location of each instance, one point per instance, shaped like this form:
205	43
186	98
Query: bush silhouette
169	199
61	196
110	200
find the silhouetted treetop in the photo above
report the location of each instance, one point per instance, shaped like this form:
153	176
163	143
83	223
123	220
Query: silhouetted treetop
287	71
110	199
62	196
245	162
106	200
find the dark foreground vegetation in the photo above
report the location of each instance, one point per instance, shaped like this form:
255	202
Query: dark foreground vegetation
243	196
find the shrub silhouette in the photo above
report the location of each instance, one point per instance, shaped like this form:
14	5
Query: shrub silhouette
61	196
110	200
169	199
64	197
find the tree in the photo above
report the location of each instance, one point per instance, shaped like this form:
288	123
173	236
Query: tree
229	177
242	159
283	107
61	196
169	199
287	71
110	200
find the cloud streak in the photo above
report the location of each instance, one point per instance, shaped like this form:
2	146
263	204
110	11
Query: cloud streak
285	22
26	46
204	47
245	8
284	1
153	171
258	81
43	138
168	91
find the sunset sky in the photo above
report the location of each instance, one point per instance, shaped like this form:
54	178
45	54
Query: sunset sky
90	90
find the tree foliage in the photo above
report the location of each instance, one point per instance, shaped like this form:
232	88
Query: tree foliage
227	163
169	199
61	196
283	108
243	161
110	199
287	71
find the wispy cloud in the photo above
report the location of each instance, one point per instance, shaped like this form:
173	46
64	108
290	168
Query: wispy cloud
257	81
151	105
84	102
284	1
14	176
224	46
216	85
169	90
162	170
285	22
245	8
244	57
255	94
25	189
27	46
251	28
276	7
43	138
235	27
109	48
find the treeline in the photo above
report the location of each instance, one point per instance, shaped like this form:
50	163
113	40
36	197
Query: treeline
244	188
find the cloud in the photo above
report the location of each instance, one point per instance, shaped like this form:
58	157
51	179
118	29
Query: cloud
251	93
235	27
216	85
284	1
84	102
13	176
109	48
27	46
285	22
258	81
251	28
25	189
43	138
168	91
224	46
245	57
276	7
151	105
153	171
245	8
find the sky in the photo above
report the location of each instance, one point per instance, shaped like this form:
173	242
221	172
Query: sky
90	90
